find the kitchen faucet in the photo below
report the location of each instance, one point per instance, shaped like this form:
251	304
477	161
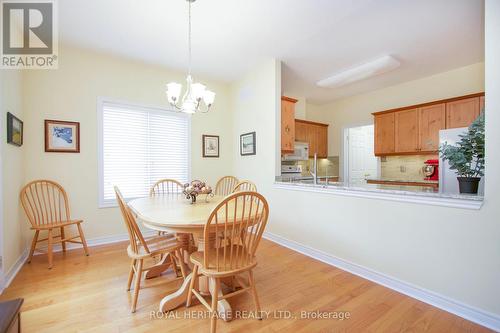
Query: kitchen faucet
315	168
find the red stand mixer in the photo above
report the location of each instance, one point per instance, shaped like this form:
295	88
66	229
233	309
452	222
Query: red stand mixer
431	170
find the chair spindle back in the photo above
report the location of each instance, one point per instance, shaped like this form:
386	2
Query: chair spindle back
134	233
225	185
239	220
45	202
166	186
245	186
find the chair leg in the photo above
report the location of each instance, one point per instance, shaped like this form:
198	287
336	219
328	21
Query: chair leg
49	247
254	294
82	237
215	300
138	277
63	243
130	275
194	276
33	245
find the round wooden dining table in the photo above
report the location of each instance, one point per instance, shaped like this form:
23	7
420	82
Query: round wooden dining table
175	214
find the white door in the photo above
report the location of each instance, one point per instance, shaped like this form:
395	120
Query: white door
361	159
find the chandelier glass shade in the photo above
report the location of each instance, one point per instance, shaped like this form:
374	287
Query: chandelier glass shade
196	97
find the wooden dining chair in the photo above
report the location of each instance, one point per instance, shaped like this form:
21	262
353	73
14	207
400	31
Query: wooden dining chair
141	248
245	185
242	214
45	203
166	186
225	185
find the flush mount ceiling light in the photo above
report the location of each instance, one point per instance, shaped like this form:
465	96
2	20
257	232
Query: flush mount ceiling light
191	101
376	67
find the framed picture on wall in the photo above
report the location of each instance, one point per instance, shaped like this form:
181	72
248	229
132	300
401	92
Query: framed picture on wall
14	130
247	144
210	145
62	136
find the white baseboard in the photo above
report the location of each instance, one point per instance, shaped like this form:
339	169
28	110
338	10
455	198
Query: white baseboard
96	241
11	274
468	312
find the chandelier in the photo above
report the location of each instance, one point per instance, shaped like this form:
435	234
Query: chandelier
197	97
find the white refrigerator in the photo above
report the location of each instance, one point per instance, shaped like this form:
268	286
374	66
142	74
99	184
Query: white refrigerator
448	182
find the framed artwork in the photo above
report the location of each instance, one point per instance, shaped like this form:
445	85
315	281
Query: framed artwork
210	145
62	136
247	144
14	130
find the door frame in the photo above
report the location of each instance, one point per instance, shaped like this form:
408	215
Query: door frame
344	161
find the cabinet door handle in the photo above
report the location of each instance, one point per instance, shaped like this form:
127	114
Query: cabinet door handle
287	129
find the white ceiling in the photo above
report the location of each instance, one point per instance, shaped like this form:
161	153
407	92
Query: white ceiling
313	38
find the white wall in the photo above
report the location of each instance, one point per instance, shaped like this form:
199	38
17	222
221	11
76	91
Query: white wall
255	99
71	92
451	252
12	178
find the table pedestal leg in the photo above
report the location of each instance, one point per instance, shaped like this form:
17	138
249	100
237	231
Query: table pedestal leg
179	297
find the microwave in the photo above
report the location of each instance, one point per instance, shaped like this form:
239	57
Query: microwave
300	152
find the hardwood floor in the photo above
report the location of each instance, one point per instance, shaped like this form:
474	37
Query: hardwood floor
87	294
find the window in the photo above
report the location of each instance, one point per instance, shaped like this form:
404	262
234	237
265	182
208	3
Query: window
138	146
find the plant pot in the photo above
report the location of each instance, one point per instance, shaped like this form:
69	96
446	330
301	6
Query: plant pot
468	185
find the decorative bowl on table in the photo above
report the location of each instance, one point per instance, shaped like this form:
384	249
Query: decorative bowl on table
196	188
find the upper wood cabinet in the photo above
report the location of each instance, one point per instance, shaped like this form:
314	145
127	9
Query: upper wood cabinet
322	141
300	131
431	119
406	127
315	134
287	124
384	133
462	113
415	129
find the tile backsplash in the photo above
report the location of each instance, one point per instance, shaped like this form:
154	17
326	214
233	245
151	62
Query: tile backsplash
326	166
403	167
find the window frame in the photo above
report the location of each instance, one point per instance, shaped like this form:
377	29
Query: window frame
102	203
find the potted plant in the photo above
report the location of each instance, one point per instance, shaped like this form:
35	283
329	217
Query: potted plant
467	156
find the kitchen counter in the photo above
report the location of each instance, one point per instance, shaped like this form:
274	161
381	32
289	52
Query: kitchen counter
306	179
414	194
401	182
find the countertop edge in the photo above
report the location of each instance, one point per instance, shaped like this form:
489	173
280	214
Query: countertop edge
404	196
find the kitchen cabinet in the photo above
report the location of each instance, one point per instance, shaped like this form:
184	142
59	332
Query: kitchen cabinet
287	124
462	113
384	134
315	134
415	129
431	120
322	141
406	131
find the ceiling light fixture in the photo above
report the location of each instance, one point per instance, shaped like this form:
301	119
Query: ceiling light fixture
376	67
191	101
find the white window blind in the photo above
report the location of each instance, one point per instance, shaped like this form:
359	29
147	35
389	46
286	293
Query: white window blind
139	146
